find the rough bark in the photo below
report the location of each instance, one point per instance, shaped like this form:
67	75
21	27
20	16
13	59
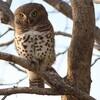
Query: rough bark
80	51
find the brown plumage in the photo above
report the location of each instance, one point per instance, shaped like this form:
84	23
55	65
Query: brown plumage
34	38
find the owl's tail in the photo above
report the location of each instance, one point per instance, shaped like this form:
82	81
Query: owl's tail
35	80
38	82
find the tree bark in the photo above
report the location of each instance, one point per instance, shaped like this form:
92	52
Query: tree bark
80	51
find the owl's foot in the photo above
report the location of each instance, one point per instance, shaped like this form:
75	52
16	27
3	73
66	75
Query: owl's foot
35	63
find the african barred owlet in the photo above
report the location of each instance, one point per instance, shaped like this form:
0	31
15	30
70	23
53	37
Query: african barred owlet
34	38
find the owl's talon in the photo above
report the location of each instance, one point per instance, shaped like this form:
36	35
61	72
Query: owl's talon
36	65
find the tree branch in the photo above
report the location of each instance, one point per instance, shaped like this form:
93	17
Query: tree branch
6	15
61	6
7	43
51	77
9	29
9	2
29	90
16	67
66	9
15	82
95	61
4	97
63	34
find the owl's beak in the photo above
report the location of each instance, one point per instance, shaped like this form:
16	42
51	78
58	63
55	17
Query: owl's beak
28	21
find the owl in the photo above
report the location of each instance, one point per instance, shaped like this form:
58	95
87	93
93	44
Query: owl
34	38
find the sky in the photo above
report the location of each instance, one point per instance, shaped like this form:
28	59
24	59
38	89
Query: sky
8	74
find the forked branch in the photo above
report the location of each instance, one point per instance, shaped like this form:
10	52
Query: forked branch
59	86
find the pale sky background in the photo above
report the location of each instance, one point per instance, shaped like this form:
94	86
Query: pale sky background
8	74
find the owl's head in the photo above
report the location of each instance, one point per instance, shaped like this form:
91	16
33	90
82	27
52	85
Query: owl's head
29	15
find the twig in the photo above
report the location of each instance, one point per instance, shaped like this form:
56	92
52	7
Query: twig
19	69
7	43
62	52
9	29
54	11
95	61
63	34
4	97
15	82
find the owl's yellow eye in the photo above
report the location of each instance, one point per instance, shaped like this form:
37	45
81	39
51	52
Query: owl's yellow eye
34	13
22	16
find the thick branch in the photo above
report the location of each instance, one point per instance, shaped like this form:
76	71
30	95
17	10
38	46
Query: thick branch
16	90
80	51
7	43
6	15
61	6
9	2
51	77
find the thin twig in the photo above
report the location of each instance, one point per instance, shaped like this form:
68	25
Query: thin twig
63	34
9	29
15	82
7	43
95	61
4	97
62	52
19	69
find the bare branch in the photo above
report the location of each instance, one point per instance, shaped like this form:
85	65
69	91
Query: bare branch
95	61
19	69
9	2
61	6
29	90
6	15
7	43
4	97
63	34
62	52
51	77
9	29
66	9
15	82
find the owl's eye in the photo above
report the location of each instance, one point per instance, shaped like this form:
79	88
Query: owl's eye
34	13
22	16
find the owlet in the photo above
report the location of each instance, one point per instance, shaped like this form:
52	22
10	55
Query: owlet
34	38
